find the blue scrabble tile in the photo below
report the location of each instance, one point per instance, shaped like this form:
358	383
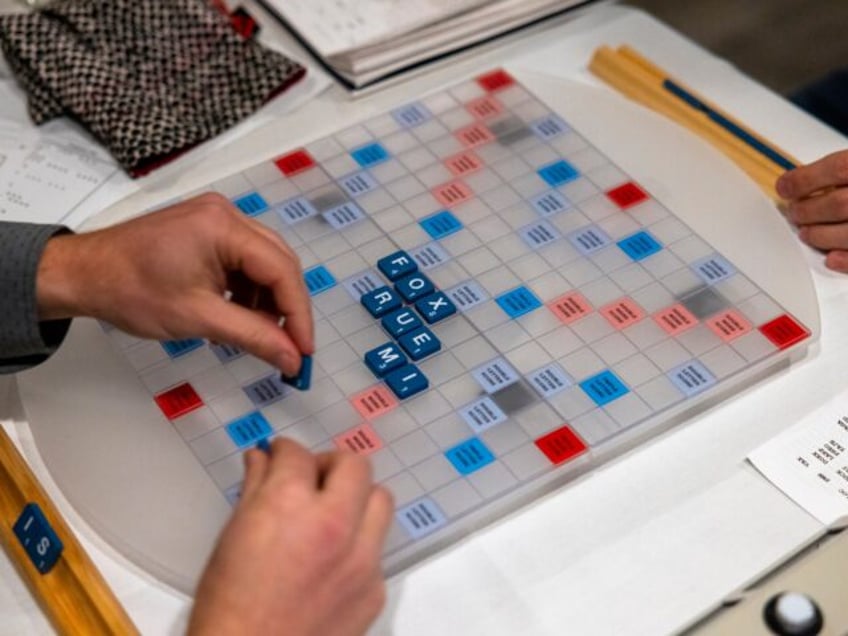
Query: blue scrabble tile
38	538
384	359
303	380
713	269
421	518
248	430
420	343
604	387
414	287
518	301
397	265
177	348
369	155
380	301
558	173
400	321
318	279
692	378
411	115
441	224
640	245
407	381
251	204
435	307
469	456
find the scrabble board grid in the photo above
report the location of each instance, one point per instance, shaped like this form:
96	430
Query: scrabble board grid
585	312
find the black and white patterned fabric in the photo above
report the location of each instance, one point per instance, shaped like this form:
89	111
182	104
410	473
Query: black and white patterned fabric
149	78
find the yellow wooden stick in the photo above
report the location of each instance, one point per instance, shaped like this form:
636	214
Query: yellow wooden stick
642	86
73	594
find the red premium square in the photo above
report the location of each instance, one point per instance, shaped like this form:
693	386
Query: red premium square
294	162
496	80
484	107
729	325
675	319
474	135
463	163
178	401
570	307
622	313
561	445
361	439
453	193
784	331
627	195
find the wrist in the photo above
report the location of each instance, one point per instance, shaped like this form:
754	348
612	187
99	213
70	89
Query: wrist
55	289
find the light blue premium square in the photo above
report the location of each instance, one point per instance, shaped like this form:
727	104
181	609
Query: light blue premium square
295	210
251	204
482	414
549	203
467	295
441	224
549	127
518	301
550	380
713	269
358	183
469	456
248	430
589	240
397	265
343	215
318	279
267	390
604	387
539	234
380	301
640	245
421	518
692	378
226	352
370	155
411	115
558	173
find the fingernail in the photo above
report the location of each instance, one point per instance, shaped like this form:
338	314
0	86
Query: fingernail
784	186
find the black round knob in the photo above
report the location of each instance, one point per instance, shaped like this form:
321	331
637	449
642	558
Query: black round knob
793	614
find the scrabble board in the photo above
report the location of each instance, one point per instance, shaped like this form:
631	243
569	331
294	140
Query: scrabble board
499	309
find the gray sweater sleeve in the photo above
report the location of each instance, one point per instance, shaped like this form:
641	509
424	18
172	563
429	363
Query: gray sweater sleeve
24	341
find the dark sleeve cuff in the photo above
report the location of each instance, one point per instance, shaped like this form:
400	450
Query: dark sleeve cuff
24	341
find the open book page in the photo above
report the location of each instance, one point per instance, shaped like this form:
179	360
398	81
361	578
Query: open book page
335	26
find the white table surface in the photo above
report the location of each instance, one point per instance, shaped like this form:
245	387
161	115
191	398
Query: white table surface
646	544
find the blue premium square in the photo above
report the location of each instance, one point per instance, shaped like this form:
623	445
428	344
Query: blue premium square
604	387
518	301
251	204
380	301
38	538
558	173
177	348
640	245
248	430
318	279
469	456
441	224
370	155
407	381
435	307
397	265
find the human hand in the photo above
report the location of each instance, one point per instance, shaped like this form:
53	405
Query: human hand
301	554
164	275
817	202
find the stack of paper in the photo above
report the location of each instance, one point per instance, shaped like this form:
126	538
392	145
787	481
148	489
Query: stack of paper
365	40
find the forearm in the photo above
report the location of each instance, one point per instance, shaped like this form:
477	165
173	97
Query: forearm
25	339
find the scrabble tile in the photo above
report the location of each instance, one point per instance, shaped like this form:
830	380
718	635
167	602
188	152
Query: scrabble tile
435	307
413	287
407	381
37	537
397	265
384	359
380	301
420	343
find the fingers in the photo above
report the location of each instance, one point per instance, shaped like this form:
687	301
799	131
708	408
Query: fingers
837	260
255	469
829	207
377	518
254	331
346	484
825	237
265	263
827	172
291	466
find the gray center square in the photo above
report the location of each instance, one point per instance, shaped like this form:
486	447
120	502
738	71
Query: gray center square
515	397
704	302
327	198
510	130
